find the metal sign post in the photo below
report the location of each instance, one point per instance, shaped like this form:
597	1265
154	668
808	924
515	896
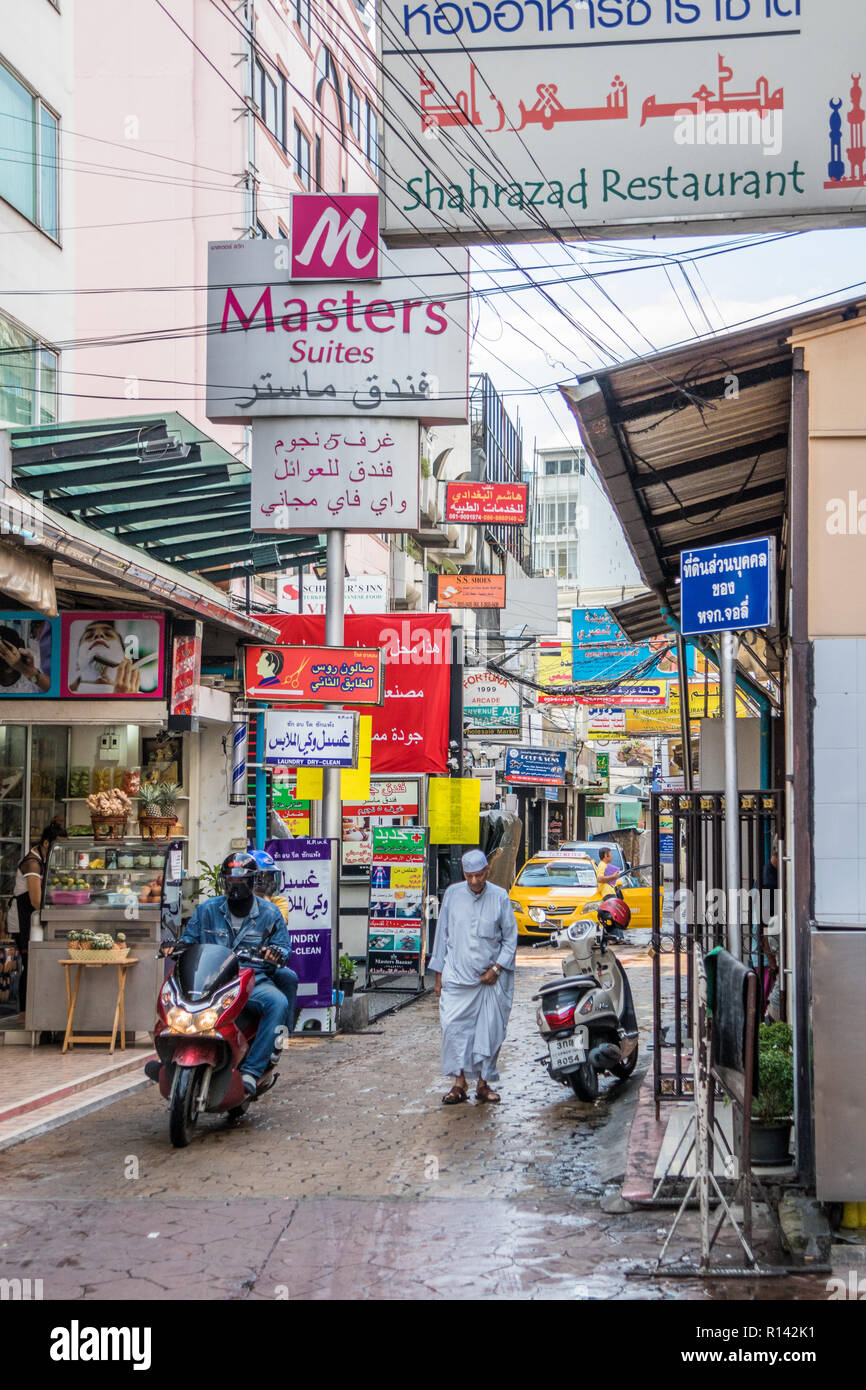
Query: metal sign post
730	643
332	811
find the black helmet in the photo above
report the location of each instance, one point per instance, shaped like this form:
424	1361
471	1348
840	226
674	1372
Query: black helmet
240	867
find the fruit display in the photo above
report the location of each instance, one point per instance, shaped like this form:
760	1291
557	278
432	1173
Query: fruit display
151	892
79	783
101	780
109	803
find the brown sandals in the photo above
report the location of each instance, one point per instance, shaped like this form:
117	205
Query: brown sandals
485	1093
455	1095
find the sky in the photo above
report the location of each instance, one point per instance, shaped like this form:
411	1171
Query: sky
525	342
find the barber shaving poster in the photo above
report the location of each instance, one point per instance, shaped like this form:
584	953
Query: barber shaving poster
117	655
305	873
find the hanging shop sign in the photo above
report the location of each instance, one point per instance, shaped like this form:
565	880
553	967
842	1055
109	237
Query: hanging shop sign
362	593
185	672
601	652
391	803
555	672
335	236
398	884
304	867
705	702
726	588
602	771
470	591
114	656
395	349
491	705
588	117
291	809
534	767
313	474
605	721
29	656
454	808
315	675
410	728
490	504
629	695
311	738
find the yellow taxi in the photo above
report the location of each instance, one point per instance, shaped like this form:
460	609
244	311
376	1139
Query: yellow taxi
552	890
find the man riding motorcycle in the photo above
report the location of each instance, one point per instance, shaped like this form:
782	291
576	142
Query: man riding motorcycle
242	921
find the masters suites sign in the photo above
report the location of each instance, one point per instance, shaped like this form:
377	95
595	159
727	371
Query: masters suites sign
634	113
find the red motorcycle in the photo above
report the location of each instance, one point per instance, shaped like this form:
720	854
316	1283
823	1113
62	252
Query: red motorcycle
202	1037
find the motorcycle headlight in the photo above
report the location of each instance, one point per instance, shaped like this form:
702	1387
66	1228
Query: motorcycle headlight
538	914
207	1021
166	995
225	1001
179	1020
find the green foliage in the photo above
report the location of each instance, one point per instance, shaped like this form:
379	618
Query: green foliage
167	796
776	1037
346	967
210	879
774	1098
426	470
148	799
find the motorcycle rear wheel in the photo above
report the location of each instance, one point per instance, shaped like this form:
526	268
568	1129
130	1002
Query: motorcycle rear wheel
624	1071
584	1082
182	1113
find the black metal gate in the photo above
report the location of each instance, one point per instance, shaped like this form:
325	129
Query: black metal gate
695	905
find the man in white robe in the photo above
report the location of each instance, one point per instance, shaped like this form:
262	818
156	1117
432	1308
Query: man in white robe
473	961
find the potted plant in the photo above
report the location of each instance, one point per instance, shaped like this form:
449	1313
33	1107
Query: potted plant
348	974
773	1102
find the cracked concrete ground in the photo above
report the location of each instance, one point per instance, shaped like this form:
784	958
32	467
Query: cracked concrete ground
351	1180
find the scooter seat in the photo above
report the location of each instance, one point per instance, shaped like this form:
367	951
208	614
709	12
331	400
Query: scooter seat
556	985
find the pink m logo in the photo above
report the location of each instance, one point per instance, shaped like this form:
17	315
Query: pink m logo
335	236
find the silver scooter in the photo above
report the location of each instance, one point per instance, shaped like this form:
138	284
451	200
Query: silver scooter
587	1019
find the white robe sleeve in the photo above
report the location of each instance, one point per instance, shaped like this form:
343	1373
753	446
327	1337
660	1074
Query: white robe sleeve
508	928
440	945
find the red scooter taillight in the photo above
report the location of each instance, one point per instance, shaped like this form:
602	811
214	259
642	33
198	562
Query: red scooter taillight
561	1018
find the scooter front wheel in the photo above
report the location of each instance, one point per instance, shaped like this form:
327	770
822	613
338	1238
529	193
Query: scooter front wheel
584	1082
182	1113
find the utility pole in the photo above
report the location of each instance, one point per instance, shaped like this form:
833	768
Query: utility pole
332	811
730	643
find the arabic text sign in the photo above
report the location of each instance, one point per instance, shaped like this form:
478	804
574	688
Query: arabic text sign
604	721
629	695
726	588
313	474
305	870
315	675
398	882
600	650
705	701
489	503
400	348
335	236
470	591
534	766
491	705
593	114
308	738
362	593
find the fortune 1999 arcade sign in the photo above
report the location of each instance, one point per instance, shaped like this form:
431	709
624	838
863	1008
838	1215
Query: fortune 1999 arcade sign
579	114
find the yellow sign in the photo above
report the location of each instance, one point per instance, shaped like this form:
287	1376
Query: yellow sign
455	808
705	701
309	784
407	876
355	782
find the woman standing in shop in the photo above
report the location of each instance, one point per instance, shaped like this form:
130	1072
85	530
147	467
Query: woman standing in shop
27	896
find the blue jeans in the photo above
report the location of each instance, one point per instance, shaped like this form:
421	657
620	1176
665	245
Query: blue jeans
286	980
272	1008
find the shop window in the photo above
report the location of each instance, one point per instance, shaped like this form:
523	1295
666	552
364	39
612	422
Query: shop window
29	134
28	378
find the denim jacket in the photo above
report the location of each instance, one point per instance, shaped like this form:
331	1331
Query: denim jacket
211	924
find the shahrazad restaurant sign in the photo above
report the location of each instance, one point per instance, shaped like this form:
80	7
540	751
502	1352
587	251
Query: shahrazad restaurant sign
352	347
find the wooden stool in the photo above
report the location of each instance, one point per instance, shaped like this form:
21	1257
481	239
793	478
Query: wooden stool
70	1038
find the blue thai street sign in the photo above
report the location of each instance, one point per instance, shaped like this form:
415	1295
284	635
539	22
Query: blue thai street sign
728	588
534	767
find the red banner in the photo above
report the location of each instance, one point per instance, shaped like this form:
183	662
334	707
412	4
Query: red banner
410	731
488	503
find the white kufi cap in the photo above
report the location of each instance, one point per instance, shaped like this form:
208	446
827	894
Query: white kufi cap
473	861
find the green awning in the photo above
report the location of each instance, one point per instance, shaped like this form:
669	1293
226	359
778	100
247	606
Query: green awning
156	482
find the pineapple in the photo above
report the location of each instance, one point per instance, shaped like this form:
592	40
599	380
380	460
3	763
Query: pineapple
149	800
167	796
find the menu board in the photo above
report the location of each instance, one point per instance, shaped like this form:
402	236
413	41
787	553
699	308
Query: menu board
396	942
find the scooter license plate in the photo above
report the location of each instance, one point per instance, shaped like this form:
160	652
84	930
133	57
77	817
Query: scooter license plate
565	1052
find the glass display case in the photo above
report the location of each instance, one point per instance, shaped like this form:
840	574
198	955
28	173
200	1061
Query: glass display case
104	884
